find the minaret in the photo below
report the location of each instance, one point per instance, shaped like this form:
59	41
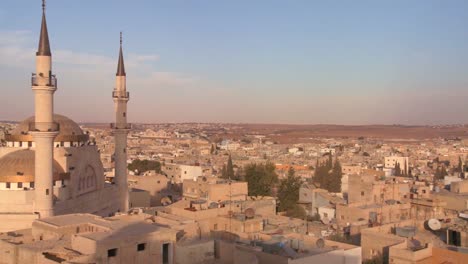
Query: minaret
120	130
43	129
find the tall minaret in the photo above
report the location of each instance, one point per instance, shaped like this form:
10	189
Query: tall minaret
120	130
43	129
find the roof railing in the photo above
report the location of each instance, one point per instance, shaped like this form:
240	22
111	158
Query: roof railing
121	94
120	126
37	80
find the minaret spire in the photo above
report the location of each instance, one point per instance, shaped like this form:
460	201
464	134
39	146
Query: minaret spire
44	129
120	130
121	66
44	45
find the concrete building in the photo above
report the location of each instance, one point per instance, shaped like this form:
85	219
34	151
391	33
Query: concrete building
214	189
85	238
177	173
391	161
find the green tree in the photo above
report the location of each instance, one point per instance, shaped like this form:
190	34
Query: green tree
142	166
261	178
230	168
224	172
397	169
288	191
334	184
296	211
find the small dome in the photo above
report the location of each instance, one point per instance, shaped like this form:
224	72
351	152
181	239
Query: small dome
18	166
68	130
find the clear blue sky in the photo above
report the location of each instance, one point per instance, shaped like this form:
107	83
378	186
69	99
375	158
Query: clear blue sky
342	62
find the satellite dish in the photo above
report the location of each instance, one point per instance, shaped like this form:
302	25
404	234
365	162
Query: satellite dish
249	213
320	243
434	224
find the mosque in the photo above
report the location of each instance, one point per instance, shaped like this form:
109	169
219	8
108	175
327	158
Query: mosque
49	166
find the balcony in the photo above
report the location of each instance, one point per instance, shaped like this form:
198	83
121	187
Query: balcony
120	126
44	126
121	94
37	80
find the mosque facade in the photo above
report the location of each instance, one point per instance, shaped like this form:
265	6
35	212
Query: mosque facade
49	166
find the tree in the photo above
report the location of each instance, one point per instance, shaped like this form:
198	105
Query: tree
296	211
288	191
460	165
230	168
224	172
397	169
440	173
334	184
328	175
261	178
142	166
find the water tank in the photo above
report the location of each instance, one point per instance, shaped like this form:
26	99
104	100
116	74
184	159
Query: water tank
406	231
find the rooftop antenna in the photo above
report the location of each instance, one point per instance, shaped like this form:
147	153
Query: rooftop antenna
43	5
120	36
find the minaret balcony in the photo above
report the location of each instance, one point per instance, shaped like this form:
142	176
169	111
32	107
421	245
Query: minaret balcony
120	126
38	80
121	94
44	126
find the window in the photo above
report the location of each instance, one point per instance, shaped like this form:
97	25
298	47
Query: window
29	143
20	185
141	247
47	191
124	114
112	252
8	185
362	193
342	217
31	185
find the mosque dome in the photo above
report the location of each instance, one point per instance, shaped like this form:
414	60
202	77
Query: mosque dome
18	166
68	130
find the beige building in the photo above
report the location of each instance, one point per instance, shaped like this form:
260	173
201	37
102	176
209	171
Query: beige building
49	166
214	189
177	173
390	163
85	238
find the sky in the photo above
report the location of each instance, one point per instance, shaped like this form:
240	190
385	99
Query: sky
243	61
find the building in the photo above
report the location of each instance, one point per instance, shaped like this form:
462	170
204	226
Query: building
49	166
86	238
392	161
214	189
177	173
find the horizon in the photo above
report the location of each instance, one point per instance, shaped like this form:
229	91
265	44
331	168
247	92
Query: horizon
386	63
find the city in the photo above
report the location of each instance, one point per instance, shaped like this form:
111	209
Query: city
223	192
